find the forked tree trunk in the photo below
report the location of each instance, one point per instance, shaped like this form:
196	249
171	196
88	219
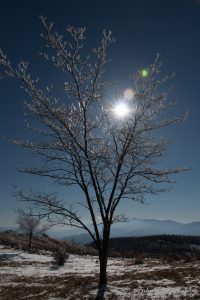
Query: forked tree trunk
103	257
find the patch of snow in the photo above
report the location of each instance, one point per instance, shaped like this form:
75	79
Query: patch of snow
38	266
165	292
156	282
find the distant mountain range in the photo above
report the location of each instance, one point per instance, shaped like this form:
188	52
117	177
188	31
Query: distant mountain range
140	227
137	227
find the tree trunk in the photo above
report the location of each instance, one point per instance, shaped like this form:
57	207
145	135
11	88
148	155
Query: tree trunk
103	264
103	267
102	276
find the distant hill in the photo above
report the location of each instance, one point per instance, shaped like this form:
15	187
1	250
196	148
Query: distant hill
144	227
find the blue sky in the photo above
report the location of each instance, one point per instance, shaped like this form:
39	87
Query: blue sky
142	28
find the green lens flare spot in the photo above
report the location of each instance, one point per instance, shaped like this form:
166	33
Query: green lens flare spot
144	73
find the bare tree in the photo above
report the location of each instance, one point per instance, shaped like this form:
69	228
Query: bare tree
29	225
83	141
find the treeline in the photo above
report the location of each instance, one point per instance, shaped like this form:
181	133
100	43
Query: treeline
168	246
41	243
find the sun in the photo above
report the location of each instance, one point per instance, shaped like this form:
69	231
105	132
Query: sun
121	110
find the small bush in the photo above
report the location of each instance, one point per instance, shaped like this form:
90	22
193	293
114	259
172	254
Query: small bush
60	256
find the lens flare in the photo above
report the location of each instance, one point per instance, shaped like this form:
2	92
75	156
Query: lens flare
144	73
128	94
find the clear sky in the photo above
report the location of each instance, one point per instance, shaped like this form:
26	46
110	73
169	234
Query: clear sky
142	28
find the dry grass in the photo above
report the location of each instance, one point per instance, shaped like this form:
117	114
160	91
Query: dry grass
180	275
42	288
75	287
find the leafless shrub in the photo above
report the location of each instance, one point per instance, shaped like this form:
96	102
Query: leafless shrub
60	255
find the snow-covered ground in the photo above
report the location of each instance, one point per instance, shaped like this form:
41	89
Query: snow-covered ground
33	276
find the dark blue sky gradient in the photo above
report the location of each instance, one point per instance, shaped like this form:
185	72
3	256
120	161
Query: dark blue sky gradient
142	28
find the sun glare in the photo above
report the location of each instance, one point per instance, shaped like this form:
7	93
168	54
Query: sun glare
121	110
